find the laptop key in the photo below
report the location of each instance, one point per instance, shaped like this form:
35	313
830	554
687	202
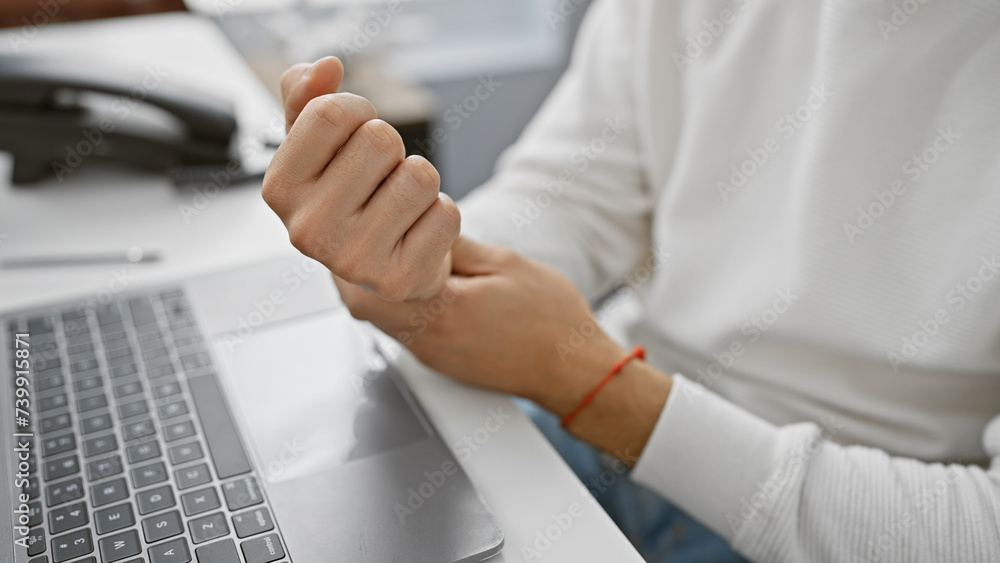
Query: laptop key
142	452
136	430
64	492
127	389
99	445
67	518
263	550
185	453
34	513
186	337
113	336
164	379
84	365
114	518
179	430
53	402
151	339
166	390
253	522
142	311
32	464
221	437
36	541
218	552
162	526
149	354
197	360
77	331
46	361
155	499
161	370
109	492
123	370
192	476
173	551
171	410
119	546
200	501
208	528
96	423
31	488
51	382
128	410
40	325
80	347
91	403
149	475
59	468
108	313
102	468
48	371
73	544
242	493
58	445
82	385
119	352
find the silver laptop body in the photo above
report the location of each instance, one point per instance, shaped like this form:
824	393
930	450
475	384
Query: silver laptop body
241	417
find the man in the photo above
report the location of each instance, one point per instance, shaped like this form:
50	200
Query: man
813	190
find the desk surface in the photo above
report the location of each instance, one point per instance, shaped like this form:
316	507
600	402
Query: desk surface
519	474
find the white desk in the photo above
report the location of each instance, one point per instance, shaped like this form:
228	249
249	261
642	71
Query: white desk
520	475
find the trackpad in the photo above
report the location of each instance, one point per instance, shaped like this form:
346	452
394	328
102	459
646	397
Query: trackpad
314	394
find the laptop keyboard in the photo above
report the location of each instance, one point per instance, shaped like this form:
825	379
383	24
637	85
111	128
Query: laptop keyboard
135	455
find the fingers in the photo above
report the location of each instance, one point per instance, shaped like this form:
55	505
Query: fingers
369	156
304	81
429	241
471	258
350	198
404	196
324	126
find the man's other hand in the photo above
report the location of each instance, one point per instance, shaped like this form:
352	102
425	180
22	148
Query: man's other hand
502	321
349	196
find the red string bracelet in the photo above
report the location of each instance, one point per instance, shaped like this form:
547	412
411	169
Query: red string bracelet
637	352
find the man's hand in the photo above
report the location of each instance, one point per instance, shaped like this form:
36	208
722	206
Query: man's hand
503	322
498	323
348	195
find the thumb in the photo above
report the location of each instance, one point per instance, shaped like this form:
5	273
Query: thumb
471	258
303	82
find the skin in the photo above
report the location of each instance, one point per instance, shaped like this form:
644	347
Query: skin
481	314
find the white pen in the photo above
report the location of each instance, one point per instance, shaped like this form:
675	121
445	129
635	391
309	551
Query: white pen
133	255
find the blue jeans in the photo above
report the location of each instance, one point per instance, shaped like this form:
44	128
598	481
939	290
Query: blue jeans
660	531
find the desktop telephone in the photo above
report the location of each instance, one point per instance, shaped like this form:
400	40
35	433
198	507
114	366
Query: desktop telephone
57	112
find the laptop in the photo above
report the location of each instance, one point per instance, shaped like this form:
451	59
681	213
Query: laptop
237	417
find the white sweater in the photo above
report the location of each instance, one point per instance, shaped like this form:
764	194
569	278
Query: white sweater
821	183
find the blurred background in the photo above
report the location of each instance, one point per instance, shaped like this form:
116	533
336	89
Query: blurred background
419	61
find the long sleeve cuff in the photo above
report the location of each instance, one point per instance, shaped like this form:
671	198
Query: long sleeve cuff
714	459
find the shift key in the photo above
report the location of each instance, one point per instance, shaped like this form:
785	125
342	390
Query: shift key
242	493
223	441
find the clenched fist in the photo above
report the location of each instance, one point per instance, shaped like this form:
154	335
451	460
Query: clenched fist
349	196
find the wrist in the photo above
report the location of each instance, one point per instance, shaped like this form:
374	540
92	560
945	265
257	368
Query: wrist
565	384
623	413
